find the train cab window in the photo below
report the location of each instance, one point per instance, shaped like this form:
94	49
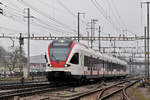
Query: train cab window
75	59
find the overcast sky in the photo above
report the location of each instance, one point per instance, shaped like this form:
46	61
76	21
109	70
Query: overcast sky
59	18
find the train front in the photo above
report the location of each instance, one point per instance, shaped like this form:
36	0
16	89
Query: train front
58	54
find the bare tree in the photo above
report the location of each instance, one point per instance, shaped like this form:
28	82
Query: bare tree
16	60
3	54
12	59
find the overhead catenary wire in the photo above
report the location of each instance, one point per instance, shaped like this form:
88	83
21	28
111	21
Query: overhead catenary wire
99	8
12	18
48	28
49	17
69	11
102	11
34	23
109	19
15	7
47	24
12	15
51	23
114	15
120	18
117	12
8	29
19	12
45	21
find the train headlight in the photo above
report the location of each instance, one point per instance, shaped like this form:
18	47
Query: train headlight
66	65
49	65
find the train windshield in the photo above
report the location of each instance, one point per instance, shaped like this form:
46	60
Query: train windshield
59	51
59	54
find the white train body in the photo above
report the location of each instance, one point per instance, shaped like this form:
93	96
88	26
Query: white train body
76	61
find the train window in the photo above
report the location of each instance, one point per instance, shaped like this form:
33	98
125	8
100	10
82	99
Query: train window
86	61
75	59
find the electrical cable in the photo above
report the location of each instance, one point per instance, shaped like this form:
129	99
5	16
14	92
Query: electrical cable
12	16
69	11
49	17
21	13
104	15
115	16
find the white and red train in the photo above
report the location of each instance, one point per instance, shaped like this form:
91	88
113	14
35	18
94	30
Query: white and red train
67	60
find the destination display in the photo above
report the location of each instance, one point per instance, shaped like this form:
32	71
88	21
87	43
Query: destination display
60	44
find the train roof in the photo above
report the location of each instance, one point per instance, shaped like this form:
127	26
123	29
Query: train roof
103	56
95	53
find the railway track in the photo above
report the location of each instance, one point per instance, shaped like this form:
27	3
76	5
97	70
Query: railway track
22	85
7	94
19	82
103	94
122	90
30	90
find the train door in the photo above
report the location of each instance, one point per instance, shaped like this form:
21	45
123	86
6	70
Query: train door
102	69
81	59
75	64
111	70
106	68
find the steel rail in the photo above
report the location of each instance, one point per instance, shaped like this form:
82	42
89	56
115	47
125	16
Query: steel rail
34	90
20	85
79	95
119	90
125	88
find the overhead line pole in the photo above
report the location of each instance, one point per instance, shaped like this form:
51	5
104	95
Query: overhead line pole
145	49
147	46
28	63
20	49
114	48
28	45
99	38
92	30
78	26
91	33
88	37
148	38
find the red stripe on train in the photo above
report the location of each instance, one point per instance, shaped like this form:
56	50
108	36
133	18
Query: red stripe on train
70	51
58	63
